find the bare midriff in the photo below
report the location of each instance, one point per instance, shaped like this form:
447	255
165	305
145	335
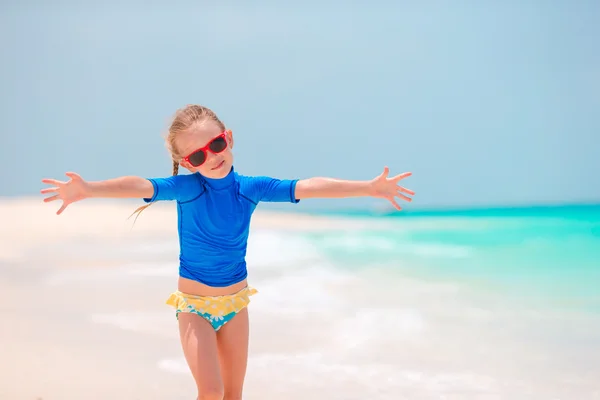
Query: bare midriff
189	286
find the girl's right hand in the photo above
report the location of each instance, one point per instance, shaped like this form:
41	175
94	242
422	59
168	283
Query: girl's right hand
69	192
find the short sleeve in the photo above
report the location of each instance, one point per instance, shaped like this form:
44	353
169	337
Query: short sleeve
267	189
177	187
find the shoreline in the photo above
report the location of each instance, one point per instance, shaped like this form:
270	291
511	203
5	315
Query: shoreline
30	224
383	207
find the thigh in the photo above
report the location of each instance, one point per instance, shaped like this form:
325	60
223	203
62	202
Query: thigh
232	341
199	342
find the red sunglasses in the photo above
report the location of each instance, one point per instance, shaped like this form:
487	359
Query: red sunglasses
217	145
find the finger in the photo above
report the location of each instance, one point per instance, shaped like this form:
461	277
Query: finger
49	190
73	175
52	182
401	176
403	197
395	204
61	209
49	199
385	172
405	190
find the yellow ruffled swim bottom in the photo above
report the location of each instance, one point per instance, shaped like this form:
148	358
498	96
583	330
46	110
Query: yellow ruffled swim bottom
218	310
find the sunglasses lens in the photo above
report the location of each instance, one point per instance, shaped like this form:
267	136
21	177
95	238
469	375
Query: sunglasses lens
197	158
218	145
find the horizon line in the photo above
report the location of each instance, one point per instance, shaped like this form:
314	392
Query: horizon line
386	209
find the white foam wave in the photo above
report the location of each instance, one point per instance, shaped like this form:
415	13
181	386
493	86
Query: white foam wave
315	289
358	243
366	325
354	243
268	248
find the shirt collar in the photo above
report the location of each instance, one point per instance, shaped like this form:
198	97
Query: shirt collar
221	183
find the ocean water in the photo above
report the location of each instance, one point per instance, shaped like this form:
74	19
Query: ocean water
548	254
470	304
478	304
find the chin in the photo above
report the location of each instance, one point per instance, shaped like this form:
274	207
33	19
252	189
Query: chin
219	173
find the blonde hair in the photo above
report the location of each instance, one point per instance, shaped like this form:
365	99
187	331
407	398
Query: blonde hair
183	120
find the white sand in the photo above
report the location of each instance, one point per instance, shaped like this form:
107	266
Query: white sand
70	330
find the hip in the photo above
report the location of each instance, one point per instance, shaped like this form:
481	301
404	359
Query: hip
196	288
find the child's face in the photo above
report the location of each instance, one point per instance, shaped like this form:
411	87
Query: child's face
217	164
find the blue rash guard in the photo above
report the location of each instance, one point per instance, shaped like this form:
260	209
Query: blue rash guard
214	220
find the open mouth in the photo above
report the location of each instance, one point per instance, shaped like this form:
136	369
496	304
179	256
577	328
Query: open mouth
219	165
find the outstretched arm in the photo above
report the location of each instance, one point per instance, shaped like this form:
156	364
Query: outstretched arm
381	186
76	189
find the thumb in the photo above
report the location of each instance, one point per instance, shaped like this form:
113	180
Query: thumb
385	172
73	176
62	208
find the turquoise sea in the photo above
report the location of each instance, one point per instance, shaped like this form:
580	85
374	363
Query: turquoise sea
538	254
496	303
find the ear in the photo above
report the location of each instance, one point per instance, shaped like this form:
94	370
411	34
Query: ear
186	165
229	136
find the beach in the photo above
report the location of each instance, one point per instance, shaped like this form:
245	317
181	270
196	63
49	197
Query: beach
485	287
341	312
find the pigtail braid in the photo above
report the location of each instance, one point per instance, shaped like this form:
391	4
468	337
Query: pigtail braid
175	168
139	210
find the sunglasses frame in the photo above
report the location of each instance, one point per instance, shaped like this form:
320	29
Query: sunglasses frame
206	149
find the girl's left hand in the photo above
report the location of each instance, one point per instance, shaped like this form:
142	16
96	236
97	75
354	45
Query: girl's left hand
388	188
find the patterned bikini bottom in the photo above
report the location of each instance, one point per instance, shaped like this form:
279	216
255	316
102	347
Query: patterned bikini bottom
218	310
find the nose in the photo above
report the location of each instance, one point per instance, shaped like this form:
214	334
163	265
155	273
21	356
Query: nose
213	159
210	156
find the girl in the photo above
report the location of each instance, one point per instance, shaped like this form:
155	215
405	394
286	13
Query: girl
214	207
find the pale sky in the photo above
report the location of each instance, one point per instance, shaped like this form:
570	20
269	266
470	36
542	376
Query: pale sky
486	104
